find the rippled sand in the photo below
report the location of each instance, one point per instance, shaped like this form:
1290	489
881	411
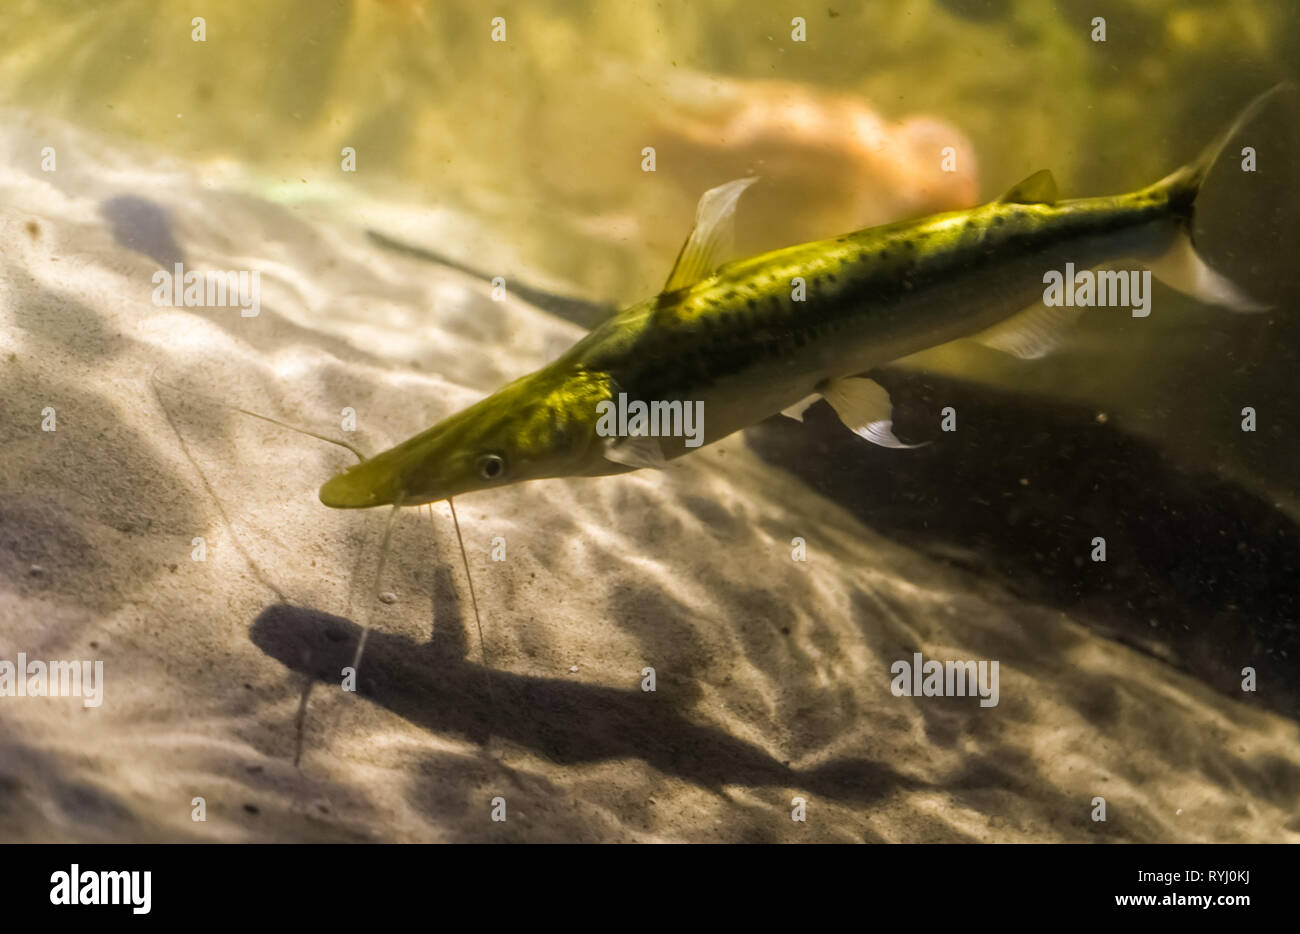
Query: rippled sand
772	675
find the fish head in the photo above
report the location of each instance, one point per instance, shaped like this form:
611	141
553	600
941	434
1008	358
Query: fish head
541	425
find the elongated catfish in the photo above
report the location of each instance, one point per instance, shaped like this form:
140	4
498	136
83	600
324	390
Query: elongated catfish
724	347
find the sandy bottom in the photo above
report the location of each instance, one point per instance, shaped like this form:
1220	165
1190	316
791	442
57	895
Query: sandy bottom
772	675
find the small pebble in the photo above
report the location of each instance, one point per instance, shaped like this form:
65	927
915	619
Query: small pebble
387	597
37	570
574	669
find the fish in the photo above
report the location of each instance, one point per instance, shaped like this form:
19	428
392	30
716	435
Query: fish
747	339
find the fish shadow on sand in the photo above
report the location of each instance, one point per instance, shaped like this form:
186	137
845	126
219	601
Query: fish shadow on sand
434	686
144	226
1199	571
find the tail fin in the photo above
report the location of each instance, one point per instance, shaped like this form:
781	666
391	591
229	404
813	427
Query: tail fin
1180	266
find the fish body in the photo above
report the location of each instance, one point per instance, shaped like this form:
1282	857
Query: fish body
740	341
759	336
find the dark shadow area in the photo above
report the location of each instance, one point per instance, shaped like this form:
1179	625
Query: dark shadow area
1198	571
579	311
434	687
55	808
141	225
58	487
60	322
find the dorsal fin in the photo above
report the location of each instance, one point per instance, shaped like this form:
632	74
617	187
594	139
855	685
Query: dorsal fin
1039	188
711	237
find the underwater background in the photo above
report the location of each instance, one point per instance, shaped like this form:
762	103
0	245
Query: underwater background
525	159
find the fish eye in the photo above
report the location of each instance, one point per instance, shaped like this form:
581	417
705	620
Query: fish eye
491	466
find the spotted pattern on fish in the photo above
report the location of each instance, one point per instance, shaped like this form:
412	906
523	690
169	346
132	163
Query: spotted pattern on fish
745	315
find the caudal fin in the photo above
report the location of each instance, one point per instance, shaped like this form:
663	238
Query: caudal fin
1180	266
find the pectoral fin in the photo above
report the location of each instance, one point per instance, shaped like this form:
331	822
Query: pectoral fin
863	405
635	452
1032	333
712	236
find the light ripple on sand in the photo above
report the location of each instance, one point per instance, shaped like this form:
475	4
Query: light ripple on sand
687	570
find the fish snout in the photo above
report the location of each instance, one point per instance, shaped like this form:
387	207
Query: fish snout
358	488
